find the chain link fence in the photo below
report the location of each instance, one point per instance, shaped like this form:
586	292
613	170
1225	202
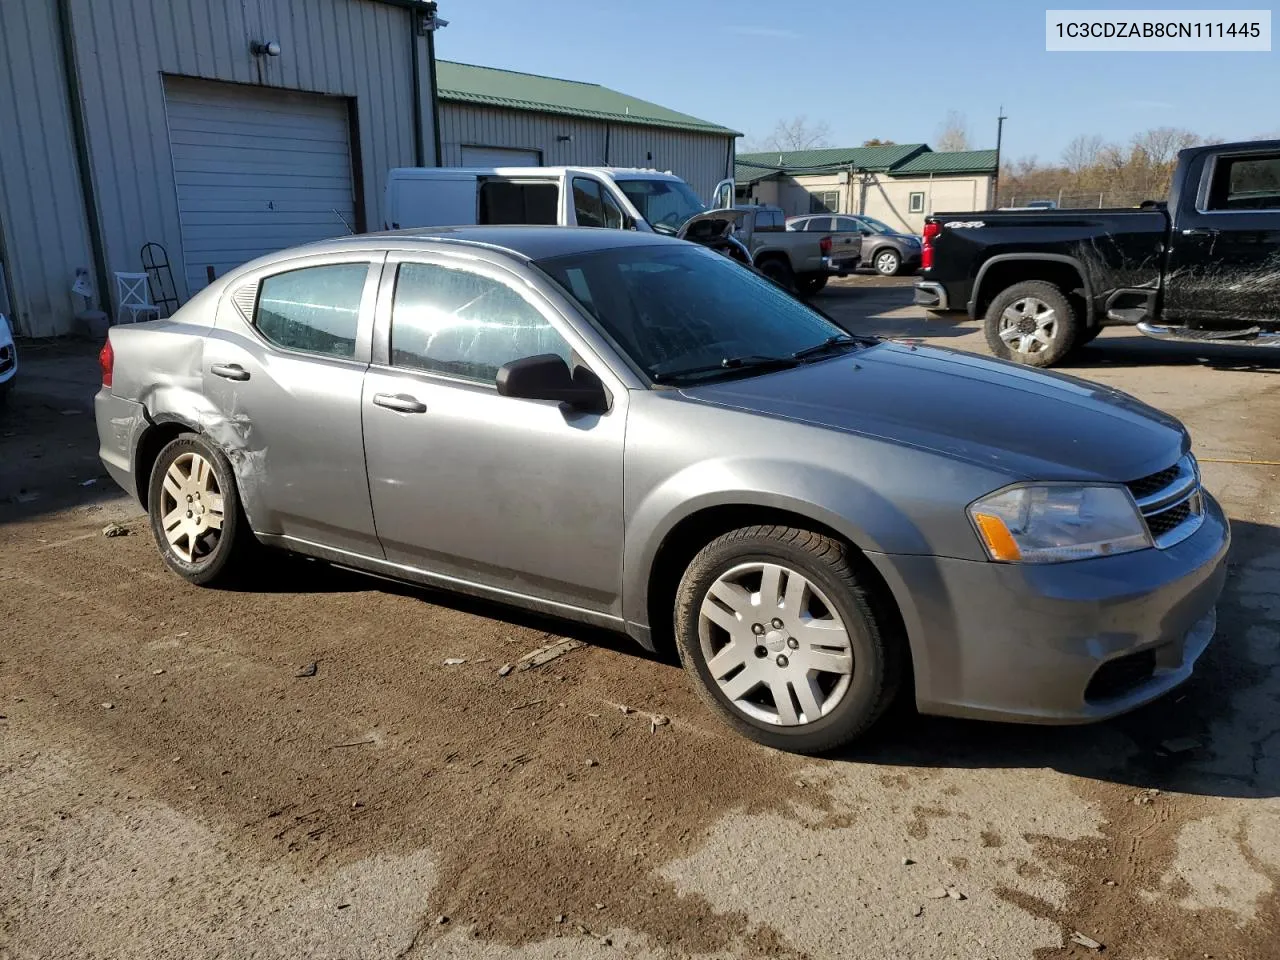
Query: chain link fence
1077	200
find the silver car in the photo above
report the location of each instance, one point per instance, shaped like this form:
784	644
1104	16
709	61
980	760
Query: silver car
634	432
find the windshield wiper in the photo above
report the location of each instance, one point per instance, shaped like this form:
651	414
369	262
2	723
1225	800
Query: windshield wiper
750	362
839	341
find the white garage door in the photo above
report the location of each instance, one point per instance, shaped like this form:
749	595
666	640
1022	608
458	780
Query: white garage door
500	157
257	170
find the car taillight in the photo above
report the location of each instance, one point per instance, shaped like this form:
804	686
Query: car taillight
931	231
825	245
107	361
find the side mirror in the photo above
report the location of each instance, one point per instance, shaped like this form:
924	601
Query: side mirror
547	377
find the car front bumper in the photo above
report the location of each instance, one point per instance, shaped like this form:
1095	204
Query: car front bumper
1060	643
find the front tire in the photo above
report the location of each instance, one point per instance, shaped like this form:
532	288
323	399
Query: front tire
888	263
196	515
1032	322
781	638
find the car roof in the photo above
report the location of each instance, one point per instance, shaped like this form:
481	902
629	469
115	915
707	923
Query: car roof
527	242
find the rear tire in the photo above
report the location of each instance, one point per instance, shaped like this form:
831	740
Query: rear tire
197	518
802	638
888	263
811	283
1033	323
780	272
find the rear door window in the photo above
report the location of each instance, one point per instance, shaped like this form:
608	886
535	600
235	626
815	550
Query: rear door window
314	309
818	225
1246	183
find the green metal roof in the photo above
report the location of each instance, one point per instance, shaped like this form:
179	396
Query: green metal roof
489	86
835	158
751	173
959	161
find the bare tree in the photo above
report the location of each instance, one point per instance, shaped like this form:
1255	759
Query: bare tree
877	142
1161	145
1082	153
797	134
953	132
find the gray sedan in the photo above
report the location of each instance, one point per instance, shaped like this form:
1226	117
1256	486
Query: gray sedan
634	432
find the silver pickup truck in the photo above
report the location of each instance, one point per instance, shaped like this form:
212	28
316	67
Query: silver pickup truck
800	261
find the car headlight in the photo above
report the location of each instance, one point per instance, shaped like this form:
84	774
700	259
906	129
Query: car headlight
1051	523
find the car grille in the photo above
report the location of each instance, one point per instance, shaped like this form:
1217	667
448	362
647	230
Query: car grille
1171	502
6	358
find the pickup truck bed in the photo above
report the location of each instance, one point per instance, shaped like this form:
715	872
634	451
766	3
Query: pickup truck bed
1205	266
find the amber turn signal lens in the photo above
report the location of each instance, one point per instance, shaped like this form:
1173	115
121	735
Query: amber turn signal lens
999	541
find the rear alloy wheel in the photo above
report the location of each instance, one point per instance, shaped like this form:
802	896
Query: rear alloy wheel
781	639
1033	323
196	517
887	263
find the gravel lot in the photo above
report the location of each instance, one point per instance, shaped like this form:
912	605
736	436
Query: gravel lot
170	786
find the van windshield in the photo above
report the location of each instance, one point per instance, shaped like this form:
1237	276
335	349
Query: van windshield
665	204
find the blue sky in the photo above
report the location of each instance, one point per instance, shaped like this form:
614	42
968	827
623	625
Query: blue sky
746	64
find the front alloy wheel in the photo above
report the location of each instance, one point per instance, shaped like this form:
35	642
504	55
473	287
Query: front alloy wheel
786	638
774	645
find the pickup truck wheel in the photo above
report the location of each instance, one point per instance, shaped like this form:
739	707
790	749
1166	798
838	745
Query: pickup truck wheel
811	283
781	638
196	516
1031	322
780	272
887	263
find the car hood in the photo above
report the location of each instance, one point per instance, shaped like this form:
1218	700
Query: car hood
1030	424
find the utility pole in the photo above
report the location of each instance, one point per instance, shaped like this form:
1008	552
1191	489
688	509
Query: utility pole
995	180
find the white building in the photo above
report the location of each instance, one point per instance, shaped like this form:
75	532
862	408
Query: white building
899	184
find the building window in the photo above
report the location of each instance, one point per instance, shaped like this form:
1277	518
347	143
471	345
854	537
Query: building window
824	201
915	202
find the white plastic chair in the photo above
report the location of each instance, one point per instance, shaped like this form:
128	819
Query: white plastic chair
133	294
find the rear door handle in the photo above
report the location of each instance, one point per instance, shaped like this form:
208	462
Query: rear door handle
1199	232
400	402
229	371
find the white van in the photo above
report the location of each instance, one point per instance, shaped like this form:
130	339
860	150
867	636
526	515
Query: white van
564	196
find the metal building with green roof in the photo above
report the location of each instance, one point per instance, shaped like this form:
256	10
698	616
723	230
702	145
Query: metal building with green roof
898	184
494	117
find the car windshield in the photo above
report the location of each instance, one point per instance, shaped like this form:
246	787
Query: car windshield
683	313
665	204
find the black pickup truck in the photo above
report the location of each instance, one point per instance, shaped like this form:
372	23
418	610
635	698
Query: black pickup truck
1203	267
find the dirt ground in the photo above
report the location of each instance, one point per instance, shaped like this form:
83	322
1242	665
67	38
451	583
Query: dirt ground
174	784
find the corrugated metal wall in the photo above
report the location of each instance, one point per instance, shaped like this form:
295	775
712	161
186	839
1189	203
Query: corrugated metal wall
123	48
41	210
699	158
349	48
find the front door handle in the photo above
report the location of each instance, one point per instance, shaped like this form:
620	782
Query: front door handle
1199	232
400	402
229	371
